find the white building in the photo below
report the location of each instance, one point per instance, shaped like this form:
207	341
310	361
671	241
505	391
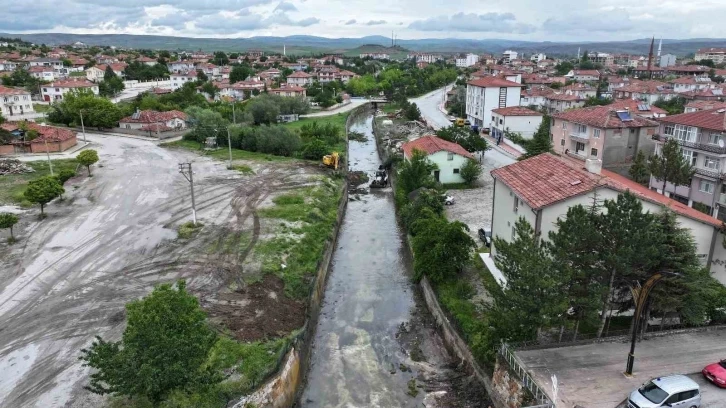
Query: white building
467	61
667	60
425	57
376	55
15	102
717	55
509	55
179	79
55	90
516	119
447	156
538	57
155	121
542	188
487	93
584	75
299	78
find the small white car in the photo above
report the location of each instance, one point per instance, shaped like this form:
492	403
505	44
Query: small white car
448	200
676	391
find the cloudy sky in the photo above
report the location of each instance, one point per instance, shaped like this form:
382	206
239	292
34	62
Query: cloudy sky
537	20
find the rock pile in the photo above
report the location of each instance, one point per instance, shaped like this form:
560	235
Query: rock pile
12	166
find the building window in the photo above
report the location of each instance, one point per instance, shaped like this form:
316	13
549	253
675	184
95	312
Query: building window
706	187
714	138
564	125
596	133
685	133
450	156
581	129
633	131
516	204
579	147
456	171
514	233
711	163
562	142
593	152
690	156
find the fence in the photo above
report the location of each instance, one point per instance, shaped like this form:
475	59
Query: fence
543	400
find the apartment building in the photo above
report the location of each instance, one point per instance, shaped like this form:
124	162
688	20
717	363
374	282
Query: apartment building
56	90
612	136
516	119
14	102
487	93
717	55
467	61
701	136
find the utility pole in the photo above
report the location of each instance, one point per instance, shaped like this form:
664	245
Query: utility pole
186	170
47	152
229	144
234	116
83	128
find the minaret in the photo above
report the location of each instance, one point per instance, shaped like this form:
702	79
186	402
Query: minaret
578	53
660	47
650	58
284	51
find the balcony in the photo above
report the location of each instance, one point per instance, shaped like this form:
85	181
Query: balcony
693	145
583	137
709	173
579	155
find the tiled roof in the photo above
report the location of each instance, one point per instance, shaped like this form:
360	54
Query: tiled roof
547	179
6	90
45	133
704	93
650	87
634	105
564	97
72	83
150	116
299	74
689	80
705	50
713	119
493	82
538	91
706	105
433	144
516	111
586	72
603	117
288	89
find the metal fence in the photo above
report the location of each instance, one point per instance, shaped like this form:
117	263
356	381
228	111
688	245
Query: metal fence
541	398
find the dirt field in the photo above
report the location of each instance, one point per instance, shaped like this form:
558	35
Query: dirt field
114	237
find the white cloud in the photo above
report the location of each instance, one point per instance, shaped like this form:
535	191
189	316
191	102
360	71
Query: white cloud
470	22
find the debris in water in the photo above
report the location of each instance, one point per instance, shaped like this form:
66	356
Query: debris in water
357	136
356	178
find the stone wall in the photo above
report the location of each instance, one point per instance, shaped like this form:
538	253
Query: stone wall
507	385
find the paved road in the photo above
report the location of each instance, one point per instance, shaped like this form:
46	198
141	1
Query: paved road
354	103
429	106
591	375
69	276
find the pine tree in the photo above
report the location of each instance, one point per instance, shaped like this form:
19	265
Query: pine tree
639	169
540	142
670	166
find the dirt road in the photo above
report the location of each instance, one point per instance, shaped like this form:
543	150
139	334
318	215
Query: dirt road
110	241
375	343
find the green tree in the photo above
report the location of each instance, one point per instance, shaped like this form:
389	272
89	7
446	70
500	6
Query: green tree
673	106
532	297
442	248
470	172
202	77
111	87
639	169
315	149
540	142
207	123
210	89
65	175
8	220
164	348
412	112
87	158
415	172
42	191
97	111
670	166
263	110
108	73
470	141
563	68
595	101
240	73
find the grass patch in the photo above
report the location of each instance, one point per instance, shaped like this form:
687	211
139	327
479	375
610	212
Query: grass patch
243	168
337	120
41	108
390	107
12	186
316	208
223	153
188	229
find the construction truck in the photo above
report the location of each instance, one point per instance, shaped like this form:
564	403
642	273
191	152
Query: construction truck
460	122
381	178
331	160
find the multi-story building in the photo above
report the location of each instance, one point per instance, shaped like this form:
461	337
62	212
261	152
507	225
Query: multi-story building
54	63
467	61
515	119
584	75
691	83
701	136
289	90
602	133
646	91
56	90
695	106
717	55
560	102
487	93
535	96
425	57
667	60
601	58
376	55
299	78
179	79
15	102
538	57
509	55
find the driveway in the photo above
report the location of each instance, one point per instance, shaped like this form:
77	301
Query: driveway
592	375
110	241
429	106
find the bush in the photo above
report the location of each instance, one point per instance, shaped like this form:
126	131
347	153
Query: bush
315	150
188	229
470	172
277	140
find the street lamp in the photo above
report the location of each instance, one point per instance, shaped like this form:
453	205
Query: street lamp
83	128
640	297
186	170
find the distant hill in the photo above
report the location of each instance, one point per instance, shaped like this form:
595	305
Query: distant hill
306	44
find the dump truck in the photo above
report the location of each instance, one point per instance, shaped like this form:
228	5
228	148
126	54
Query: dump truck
331	160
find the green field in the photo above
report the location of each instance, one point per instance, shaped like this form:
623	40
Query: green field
337	119
223	153
12	186
41	108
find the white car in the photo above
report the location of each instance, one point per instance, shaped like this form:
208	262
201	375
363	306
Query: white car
448	200
672	391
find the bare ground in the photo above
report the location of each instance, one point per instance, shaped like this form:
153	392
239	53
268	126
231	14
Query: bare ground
112	239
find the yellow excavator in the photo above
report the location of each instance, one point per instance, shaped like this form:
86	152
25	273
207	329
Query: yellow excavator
331	160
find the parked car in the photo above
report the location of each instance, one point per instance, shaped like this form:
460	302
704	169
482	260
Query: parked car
485	235
716	373
448	200
672	391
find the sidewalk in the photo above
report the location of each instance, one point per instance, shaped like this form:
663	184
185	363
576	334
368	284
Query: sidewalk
68	154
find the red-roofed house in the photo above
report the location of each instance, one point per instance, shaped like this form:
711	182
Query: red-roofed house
641	109
487	93
584	75
49	139
449	157
14	102
516	119
695	106
299	78
541	190
289	90
701	136
560	102
55	90
602	133
155	121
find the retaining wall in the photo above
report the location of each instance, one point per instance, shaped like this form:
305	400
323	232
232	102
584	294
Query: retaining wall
285	387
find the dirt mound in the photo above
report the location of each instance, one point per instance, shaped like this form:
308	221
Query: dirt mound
356	178
11	166
243	311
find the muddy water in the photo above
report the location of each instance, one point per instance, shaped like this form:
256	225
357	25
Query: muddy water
374	335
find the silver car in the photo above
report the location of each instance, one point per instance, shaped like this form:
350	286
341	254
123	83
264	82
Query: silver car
676	391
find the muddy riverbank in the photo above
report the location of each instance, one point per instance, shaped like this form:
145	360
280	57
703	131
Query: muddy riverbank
376	344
